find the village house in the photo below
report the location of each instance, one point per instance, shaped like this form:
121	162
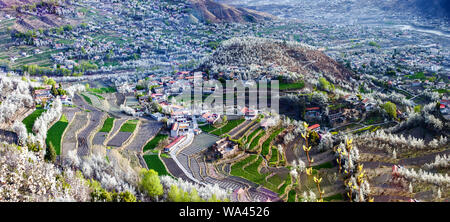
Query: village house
210	118
173	144
157	116
315	127
312	114
224	148
248	113
66	100
42	95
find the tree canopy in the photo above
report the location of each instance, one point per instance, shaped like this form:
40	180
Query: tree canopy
391	109
150	183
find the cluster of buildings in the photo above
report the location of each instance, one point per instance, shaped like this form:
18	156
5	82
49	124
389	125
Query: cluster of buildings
44	95
223	148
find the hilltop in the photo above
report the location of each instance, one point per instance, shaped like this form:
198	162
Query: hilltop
273	58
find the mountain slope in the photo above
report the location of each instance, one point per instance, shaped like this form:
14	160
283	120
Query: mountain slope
430	8
36	14
211	11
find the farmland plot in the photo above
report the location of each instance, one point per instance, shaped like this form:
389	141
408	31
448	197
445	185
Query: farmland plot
84	136
146	131
80	120
119	139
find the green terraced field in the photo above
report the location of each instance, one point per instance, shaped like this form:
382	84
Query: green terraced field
153	162
250	137
338	196
236	168
97	95
274	157
285	185
251	171
227	128
129	126
29	120
291	196
291	86
54	134
266	144
326	165
255	141
103	90
207	128
152	144
88	100
107	125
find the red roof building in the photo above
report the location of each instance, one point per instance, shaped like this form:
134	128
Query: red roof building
314	127
173	143
312	108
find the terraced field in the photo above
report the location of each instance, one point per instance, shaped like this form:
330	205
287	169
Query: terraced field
129	126
95	119
69	112
119	139
123	129
228	127
248	168
248	128
117	125
54	134
207	128
250	136
153	162
8	50
274	158
255	142
153	143
233	133
266	144
87	98
80	120
101	136
147	130
97	101
174	169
